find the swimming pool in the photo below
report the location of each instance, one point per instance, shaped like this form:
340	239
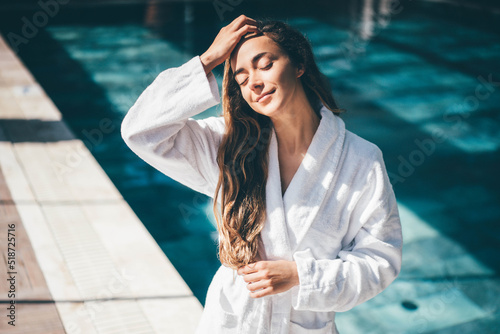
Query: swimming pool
418	78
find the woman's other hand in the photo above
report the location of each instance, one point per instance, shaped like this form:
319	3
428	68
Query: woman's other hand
266	278
226	40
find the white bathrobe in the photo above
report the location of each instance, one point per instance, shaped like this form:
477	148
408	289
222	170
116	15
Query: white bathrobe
338	219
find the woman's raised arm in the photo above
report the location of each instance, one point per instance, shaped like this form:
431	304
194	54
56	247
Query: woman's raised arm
160	130
159	127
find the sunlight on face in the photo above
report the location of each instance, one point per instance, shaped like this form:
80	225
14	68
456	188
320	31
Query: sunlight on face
265	74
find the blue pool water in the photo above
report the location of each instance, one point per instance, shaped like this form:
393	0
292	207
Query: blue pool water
421	79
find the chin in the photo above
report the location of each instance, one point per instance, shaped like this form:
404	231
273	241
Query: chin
267	110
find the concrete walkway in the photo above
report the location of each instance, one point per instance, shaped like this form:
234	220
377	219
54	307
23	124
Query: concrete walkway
84	263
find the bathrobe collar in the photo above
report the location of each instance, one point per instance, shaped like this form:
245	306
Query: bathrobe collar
291	215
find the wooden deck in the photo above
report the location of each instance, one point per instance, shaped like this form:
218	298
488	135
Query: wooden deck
84	261
34	303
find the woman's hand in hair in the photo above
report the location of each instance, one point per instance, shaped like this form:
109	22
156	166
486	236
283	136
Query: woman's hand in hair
266	278
226	40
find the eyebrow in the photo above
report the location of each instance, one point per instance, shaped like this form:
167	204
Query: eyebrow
254	59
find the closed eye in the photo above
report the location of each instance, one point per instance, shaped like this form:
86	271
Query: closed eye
263	68
267	67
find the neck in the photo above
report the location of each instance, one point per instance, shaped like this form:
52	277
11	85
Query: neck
295	129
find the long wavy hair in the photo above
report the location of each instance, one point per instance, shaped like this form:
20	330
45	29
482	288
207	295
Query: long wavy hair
243	153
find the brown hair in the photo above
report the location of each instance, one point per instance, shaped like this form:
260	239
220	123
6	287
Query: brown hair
243	153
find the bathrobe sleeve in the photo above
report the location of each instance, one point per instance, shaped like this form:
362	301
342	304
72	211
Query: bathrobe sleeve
160	130
366	265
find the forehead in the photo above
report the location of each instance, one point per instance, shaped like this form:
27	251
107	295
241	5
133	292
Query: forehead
244	52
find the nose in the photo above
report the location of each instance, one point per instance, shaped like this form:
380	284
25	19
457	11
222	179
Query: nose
255	82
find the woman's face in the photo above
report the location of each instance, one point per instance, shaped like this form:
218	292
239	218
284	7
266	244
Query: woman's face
267	78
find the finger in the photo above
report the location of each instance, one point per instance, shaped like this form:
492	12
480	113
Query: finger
251	22
261	293
252	277
249	19
246	29
239	21
248	269
242	23
258	285
243	19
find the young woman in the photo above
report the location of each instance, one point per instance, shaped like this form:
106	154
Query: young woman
307	219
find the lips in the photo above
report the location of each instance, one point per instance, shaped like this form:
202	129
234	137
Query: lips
265	94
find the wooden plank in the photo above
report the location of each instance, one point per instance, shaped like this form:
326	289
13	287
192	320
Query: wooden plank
80	171
34	318
38	107
10	109
42	175
58	166
30	281
14	178
50	259
35	311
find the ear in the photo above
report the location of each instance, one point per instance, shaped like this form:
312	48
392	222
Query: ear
300	70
